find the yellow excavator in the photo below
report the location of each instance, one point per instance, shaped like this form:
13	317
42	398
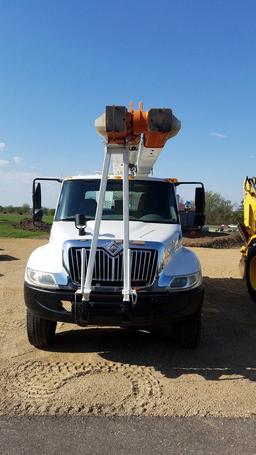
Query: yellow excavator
247	230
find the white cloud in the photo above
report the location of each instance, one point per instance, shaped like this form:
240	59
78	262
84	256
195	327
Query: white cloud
219	135
2	146
16	186
3	162
18	160
18	177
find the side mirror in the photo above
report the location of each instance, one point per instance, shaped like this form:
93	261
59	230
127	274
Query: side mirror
192	215
37	197
199	220
38	215
37	203
199	200
191	220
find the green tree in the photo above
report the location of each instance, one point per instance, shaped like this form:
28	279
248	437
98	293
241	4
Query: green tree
218	210
25	209
238	214
10	209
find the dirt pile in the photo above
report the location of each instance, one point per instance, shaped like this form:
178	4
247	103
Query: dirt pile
28	225
212	240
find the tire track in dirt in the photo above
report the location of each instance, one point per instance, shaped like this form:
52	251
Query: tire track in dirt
35	387
6	327
10	293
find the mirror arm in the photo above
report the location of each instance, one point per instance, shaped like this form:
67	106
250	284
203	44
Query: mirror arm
38	212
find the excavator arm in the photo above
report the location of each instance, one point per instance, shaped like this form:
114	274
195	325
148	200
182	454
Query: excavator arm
250	205
248	233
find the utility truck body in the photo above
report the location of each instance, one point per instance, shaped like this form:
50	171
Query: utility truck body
115	253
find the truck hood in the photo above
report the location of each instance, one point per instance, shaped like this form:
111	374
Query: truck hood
113	230
164	237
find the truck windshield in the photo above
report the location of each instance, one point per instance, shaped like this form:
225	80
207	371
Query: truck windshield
149	201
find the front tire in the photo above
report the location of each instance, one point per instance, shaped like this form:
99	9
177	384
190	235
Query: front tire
187	333
41	332
250	272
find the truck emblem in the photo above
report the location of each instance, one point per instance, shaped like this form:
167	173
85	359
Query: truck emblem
113	248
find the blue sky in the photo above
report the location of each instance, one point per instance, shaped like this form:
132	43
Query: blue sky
63	61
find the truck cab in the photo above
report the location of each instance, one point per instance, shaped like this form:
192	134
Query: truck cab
165	282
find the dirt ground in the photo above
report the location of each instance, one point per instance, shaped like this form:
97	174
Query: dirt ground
212	239
119	372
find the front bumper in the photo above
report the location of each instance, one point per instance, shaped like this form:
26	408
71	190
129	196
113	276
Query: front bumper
105	308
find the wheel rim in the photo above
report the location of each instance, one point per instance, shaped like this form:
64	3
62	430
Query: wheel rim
252	272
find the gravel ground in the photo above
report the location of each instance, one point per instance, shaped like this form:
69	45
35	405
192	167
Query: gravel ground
115	372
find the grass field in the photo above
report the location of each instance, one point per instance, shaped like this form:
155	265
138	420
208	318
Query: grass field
8	222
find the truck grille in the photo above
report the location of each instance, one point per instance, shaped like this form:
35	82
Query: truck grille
108	270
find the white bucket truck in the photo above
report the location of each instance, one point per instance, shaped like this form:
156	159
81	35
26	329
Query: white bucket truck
115	253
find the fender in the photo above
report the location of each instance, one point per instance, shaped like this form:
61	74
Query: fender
184	262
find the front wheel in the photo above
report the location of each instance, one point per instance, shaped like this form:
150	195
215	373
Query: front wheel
187	333
40	331
250	272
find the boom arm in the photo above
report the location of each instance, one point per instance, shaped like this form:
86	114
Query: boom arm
134	140
143	133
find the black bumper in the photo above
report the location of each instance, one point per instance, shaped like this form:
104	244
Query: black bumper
151	309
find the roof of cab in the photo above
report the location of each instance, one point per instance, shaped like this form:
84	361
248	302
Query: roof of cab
117	177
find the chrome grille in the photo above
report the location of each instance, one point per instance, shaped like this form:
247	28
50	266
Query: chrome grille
108	270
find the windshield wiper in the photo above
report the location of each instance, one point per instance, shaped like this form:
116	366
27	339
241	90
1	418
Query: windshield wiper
72	218
68	218
158	221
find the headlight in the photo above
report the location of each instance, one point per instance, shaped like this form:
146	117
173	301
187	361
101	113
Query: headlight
186	281
41	278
